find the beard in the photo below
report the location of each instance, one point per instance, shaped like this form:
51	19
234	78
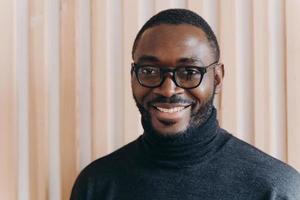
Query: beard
199	115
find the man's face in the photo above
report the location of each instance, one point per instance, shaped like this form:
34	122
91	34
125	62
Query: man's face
170	109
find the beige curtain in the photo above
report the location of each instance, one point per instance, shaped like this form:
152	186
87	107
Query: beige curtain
65	96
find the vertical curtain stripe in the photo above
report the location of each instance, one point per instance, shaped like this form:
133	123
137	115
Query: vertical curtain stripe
277	78
130	27
227	40
69	133
83	84
52	63
8	104
38	101
292	79
21	62
115	74
260	80
100	111
244	70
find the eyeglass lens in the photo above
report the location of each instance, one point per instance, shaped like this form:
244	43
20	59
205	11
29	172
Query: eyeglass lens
184	77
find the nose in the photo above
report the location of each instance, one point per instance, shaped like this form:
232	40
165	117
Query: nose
168	88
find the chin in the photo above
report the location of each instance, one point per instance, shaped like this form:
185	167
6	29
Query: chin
169	131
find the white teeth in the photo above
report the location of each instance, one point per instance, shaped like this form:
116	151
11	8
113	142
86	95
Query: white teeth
171	110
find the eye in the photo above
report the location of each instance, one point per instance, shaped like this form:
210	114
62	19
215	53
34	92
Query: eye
149	71
188	73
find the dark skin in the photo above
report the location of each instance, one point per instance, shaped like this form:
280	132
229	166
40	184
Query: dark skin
169	109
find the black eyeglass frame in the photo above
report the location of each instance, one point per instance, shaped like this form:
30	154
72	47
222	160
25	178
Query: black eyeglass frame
203	69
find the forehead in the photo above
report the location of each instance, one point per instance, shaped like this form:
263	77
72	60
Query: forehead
172	42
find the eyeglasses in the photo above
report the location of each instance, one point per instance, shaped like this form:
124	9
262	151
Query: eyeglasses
187	77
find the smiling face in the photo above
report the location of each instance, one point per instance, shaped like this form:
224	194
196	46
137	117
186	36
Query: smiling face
169	109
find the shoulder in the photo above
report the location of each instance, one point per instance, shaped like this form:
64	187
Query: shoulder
123	156
262	169
103	170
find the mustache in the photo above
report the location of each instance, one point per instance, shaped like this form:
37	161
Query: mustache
172	99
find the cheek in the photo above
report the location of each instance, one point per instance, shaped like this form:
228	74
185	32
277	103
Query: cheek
204	92
139	92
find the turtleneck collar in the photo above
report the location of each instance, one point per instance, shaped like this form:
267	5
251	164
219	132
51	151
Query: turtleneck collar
182	150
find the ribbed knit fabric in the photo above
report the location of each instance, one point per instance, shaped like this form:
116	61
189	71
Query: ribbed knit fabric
183	150
207	163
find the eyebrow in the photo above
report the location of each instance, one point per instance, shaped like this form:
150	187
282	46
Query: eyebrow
148	58
186	60
190	60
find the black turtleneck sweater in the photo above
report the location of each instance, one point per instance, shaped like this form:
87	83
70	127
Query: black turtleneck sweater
204	164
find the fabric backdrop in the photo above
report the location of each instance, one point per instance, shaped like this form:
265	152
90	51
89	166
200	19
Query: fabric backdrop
65	96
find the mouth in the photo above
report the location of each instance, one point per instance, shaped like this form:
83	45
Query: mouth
170	117
170	111
174	109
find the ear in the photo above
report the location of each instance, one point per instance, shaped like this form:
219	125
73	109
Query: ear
132	70
219	75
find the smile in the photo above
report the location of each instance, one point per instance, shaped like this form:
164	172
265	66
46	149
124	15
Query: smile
171	109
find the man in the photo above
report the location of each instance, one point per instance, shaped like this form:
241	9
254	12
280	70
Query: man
183	153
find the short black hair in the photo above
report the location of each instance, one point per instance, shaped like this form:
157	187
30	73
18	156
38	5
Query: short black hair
176	17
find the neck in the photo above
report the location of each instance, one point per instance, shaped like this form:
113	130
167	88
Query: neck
182	149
